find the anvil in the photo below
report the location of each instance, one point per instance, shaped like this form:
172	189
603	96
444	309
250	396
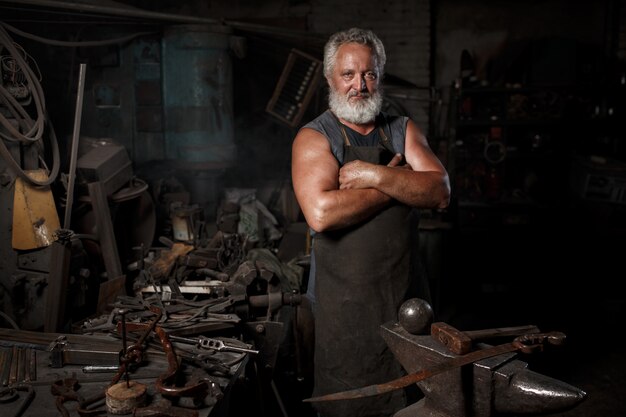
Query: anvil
487	388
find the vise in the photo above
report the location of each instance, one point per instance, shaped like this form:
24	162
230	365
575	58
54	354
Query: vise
494	386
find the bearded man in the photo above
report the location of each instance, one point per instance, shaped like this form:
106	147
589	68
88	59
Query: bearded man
359	176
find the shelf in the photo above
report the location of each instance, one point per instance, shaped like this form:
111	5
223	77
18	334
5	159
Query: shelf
507	122
503	203
518	181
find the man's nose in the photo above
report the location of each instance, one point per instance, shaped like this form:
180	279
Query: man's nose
360	82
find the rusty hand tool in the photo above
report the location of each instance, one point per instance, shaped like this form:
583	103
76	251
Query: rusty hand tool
461	342
134	353
526	343
166	383
10	393
66	390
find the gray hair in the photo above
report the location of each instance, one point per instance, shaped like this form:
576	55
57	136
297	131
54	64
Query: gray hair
353	35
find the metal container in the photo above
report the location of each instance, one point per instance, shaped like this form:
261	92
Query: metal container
198	96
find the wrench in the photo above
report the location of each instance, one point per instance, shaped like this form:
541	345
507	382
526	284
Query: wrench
218	345
213	344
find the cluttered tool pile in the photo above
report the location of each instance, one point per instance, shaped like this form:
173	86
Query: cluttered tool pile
174	348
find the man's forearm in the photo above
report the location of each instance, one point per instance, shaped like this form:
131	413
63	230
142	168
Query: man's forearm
430	189
342	208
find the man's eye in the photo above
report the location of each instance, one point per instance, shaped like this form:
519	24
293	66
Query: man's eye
370	76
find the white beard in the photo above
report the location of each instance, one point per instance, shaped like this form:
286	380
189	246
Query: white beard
361	112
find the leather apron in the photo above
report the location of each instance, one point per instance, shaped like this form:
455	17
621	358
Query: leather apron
362	278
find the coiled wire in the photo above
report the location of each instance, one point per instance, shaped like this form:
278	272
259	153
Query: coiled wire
23	75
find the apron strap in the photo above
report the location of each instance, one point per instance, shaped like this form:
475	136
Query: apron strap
384	140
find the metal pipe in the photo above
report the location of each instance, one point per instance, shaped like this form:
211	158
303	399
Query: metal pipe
115	11
314	38
100	368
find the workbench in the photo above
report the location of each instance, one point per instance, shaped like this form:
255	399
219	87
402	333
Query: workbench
32	382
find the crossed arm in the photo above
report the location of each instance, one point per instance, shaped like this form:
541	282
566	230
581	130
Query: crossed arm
332	197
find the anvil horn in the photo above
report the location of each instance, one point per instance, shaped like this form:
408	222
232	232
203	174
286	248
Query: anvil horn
528	392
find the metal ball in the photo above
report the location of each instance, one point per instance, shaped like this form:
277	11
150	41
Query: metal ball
416	316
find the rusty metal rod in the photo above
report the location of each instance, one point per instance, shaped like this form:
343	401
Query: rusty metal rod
74	153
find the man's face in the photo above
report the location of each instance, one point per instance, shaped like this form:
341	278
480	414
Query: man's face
354	84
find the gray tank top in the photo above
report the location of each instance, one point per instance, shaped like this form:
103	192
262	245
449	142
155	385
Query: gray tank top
328	125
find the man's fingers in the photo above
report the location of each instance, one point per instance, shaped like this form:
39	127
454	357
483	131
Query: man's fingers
396	160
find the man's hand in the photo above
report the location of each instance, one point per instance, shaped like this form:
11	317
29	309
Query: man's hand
359	174
397	160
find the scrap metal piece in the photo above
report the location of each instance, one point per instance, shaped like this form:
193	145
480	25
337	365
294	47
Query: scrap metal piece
58	282
14	366
165	262
164	409
5	366
63	353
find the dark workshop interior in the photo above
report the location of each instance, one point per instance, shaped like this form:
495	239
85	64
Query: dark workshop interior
150	238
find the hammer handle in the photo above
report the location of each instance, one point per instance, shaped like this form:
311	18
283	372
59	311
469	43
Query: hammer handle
501	332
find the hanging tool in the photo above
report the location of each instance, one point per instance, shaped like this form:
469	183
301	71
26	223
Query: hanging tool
527	343
35	217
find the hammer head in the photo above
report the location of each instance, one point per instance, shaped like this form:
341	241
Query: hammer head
455	340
